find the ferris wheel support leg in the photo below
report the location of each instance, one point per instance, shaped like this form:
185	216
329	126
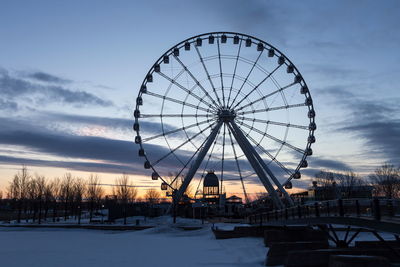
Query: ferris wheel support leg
248	151
273	178
193	169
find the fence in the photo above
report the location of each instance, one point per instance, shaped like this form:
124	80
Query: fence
377	209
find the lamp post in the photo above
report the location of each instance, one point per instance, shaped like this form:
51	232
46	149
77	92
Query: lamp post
102	214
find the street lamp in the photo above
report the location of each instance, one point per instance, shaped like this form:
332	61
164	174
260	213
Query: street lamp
102	214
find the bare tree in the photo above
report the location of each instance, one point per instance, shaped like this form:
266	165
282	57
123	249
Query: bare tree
386	180
32	194
56	193
66	193
125	192
40	187
48	197
348	183
79	189
325	178
338	184
18	190
94	193
152	196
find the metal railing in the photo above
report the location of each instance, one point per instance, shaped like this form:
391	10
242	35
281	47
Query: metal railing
376	209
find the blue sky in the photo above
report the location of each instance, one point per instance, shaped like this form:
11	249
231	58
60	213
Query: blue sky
70	72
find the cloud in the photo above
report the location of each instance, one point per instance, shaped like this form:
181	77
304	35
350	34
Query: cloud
333	72
12	88
330	164
73	165
372	120
8	105
336	91
46	77
382	138
147	128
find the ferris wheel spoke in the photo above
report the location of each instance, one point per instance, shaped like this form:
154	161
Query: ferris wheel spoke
187	162
195	80
175	115
247	77
177	101
238	166
256	87
268	95
174	131
181	145
220	74
276	123
269	155
282	142
234	71
208	75
272	109
186	90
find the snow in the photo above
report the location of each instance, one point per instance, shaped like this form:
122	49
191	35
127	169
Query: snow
163	245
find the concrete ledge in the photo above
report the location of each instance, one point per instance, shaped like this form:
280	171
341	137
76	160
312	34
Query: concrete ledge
294	235
252	231
278	252
377	244
319	258
358	261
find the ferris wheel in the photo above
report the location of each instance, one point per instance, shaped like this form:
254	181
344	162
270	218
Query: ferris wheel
227	102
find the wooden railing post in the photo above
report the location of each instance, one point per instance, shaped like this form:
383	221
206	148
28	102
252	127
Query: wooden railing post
341	209
327	208
316	206
377	209
358	208
390	208
299	211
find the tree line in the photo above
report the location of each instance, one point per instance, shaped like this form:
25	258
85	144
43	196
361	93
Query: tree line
37	198
385	180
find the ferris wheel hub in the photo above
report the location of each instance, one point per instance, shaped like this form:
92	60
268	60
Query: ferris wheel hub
226	114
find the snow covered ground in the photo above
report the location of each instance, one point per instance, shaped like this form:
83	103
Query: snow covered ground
160	246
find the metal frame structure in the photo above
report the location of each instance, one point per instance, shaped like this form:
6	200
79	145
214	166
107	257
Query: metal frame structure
222	113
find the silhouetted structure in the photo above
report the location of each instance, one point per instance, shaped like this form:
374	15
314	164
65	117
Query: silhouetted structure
211	194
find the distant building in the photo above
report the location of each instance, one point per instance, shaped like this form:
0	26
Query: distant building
334	191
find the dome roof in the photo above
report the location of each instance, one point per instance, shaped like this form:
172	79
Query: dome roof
211	179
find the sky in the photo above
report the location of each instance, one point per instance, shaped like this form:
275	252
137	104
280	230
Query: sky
70	72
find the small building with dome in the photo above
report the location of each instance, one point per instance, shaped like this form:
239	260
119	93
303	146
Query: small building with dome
211	190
